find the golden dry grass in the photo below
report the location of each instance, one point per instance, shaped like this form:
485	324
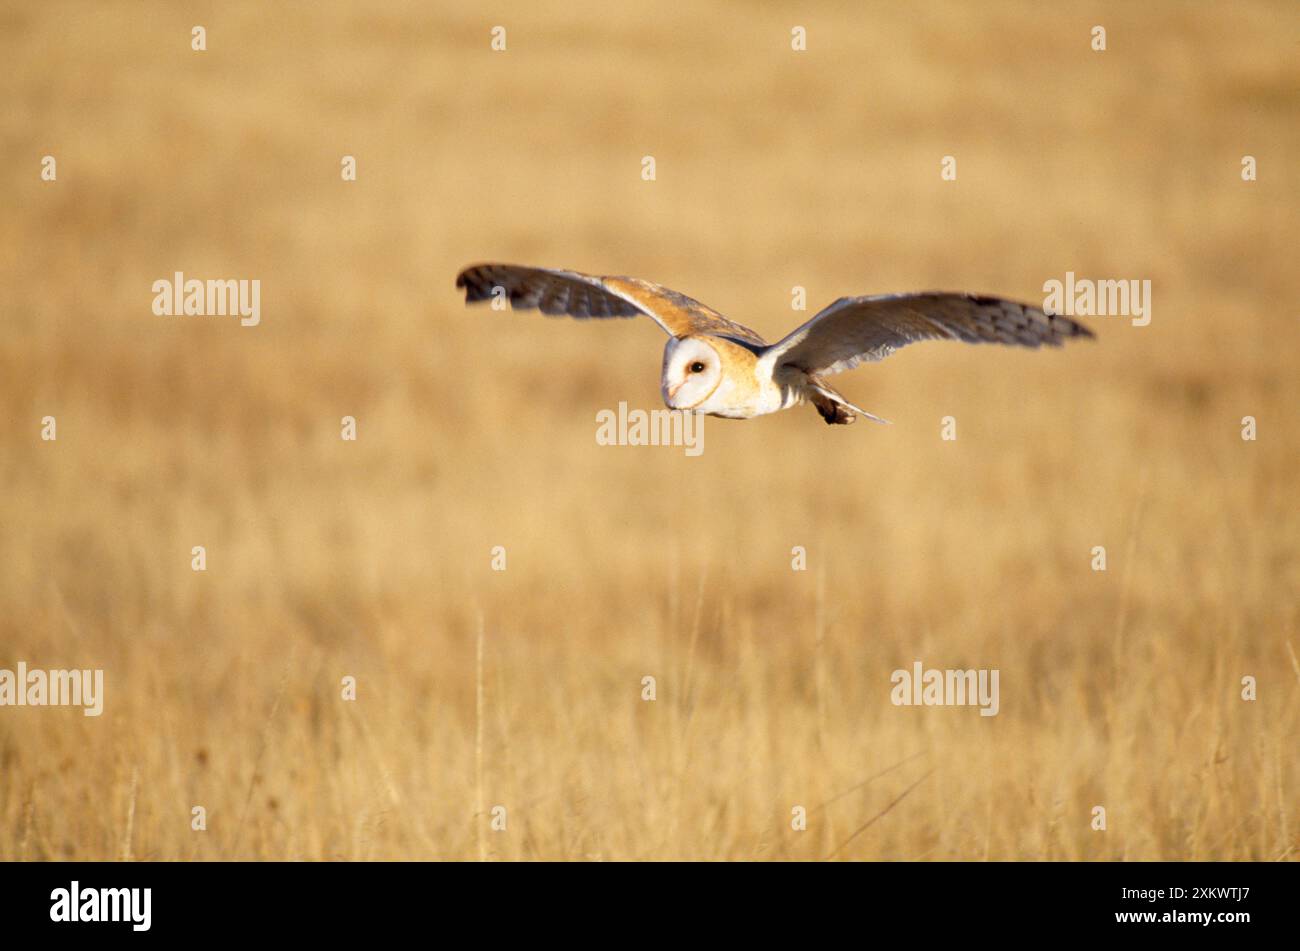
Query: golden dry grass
371	559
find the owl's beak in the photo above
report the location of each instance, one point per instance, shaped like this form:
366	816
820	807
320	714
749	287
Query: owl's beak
671	392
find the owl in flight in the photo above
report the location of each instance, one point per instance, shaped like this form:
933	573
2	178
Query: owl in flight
715	366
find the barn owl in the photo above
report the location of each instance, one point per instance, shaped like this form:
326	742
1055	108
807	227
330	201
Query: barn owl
715	366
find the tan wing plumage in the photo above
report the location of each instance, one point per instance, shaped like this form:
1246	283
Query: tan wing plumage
854	330
578	295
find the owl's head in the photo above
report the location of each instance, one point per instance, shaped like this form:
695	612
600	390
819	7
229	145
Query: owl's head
692	371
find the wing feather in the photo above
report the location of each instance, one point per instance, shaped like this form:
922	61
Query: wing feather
855	330
556	292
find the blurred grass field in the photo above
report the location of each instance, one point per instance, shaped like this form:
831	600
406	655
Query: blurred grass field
370	559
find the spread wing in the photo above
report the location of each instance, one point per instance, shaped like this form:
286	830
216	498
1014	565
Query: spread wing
854	330
582	295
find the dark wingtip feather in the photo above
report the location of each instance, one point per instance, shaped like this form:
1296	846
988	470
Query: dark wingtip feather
476	282
1068	328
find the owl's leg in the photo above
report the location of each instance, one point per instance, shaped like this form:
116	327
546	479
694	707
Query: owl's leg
832	412
834	408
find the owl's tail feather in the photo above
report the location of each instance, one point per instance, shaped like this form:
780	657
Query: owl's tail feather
834	408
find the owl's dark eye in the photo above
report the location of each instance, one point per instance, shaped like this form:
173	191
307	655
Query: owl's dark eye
697	367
